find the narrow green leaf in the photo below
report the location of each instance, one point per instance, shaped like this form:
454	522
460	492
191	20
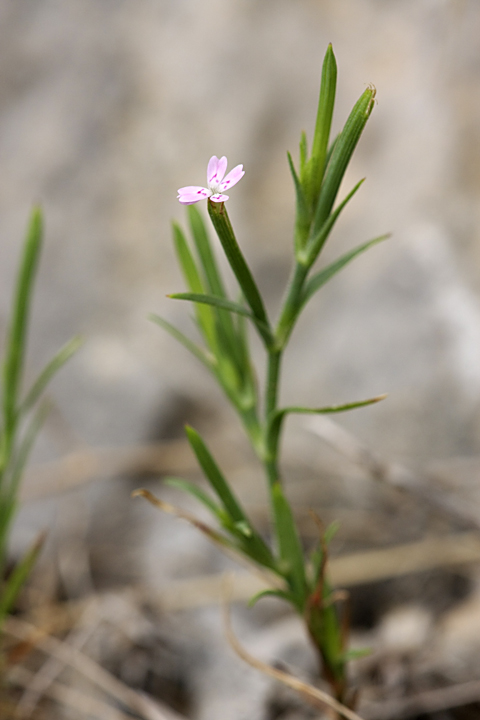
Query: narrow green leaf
342	152
318	239
331	149
322	277
223	227
356	654
205	316
8	509
321	136
330	532
17	334
214	300
244	354
302	216
18	578
198	493
223	304
214	283
276	420
282	594
253	545
205	358
64	354
19	460
303	154
214	475
212	275
290	549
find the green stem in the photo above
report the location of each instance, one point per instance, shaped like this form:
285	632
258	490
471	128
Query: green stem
273	376
271	396
291	305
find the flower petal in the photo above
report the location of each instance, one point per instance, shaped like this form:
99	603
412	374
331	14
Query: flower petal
232	178
216	170
190	189
192	194
218	198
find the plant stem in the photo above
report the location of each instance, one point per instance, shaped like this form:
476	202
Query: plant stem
271	396
291	305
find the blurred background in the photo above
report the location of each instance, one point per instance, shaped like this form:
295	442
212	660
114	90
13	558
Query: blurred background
106	108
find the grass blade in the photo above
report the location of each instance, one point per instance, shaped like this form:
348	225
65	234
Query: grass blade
18	578
64	354
17	335
21	457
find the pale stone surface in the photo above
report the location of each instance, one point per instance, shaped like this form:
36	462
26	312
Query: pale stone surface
106	108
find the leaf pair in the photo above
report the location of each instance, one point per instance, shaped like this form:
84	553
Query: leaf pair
317	184
229	512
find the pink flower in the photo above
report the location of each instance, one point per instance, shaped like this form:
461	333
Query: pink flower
217	183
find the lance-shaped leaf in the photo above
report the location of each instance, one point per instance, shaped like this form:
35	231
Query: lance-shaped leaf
214	283
218	302
19	459
205	358
302	215
251	541
292	562
17	334
212	275
322	277
319	238
223	227
18	578
192	277
244	353
326	102
223	304
199	494
342	152
303	148
276	420
64	354
282	594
